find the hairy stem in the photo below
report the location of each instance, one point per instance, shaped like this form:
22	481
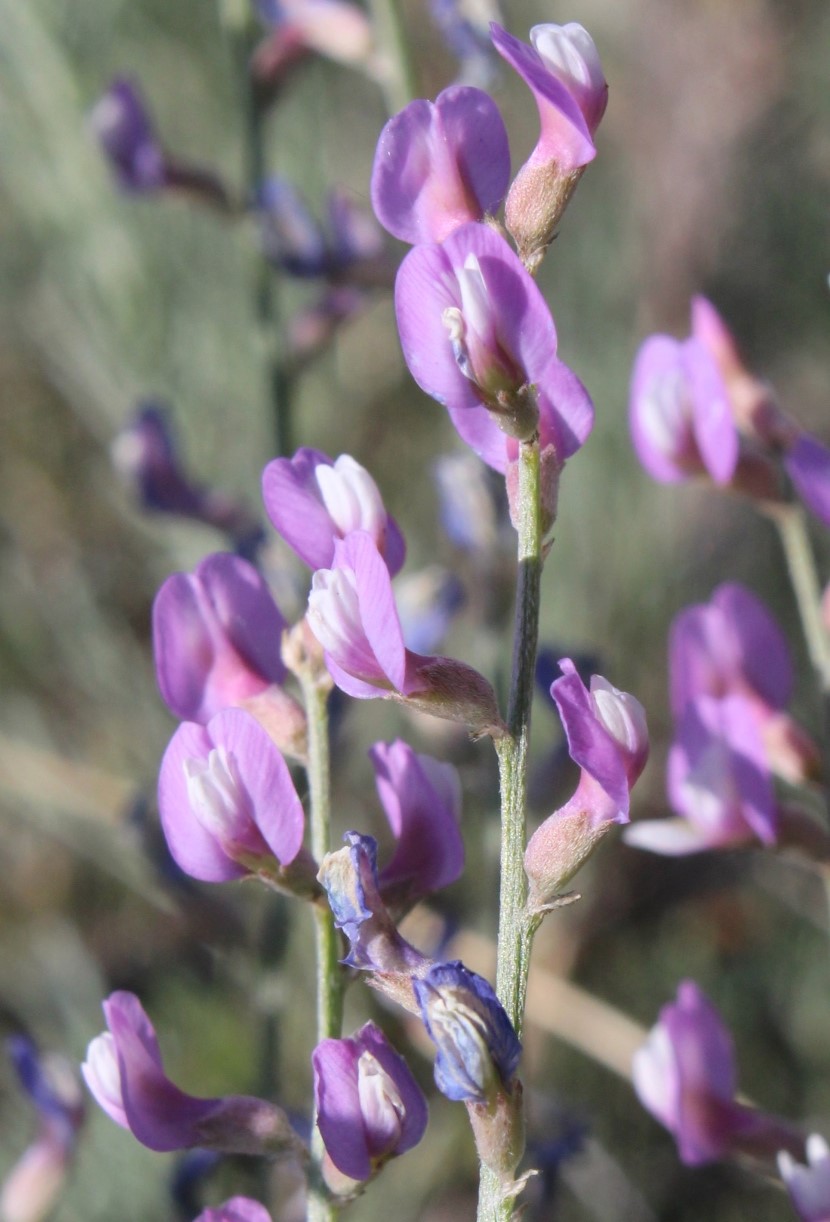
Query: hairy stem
321	1208
515	934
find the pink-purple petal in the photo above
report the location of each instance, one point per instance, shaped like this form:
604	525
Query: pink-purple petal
378	612
338	1114
295	510
765	658
714	425
439	166
182	646
589	744
246	612
193	848
564	137
415	1113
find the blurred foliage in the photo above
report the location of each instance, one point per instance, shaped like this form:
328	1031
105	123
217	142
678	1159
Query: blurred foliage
712	176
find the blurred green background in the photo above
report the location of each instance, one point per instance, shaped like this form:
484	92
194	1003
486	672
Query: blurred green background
712	175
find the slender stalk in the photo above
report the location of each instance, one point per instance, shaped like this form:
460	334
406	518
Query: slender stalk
329	973
515	933
397	74
791	524
265	289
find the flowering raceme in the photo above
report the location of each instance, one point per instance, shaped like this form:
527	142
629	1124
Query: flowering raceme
123	125
124	1071
312	502
369	1107
227	803
439	165
477	335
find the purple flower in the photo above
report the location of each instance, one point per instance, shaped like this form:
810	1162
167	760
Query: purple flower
608	738
292	238
237	1209
216	637
563	71
732	645
369	1107
681	419
351	611
809	1185
478	1050
31	1187
440	165
718	781
312	502
685	1076
227	802
123	125
124	1072
477	336
465	34
422	801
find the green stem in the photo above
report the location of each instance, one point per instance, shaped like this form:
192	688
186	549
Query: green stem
397	78
515	932
265	290
791	524
321	1208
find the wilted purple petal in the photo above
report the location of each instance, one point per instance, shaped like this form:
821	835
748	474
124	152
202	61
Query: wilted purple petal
440	165
478	1050
226	798
369	1107
312	502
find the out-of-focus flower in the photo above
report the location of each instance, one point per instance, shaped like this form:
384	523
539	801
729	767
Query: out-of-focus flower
227	803
311	328
463	24
685	1076
478	1050
31	1188
312	502
428	601
122	123
422	800
718	780
681	419
369	1107
563	71
478	336
473	507
237	1209
809	1185
758	415
145	454
123	1070
352	612
439	165
332	28
608	738
732	645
